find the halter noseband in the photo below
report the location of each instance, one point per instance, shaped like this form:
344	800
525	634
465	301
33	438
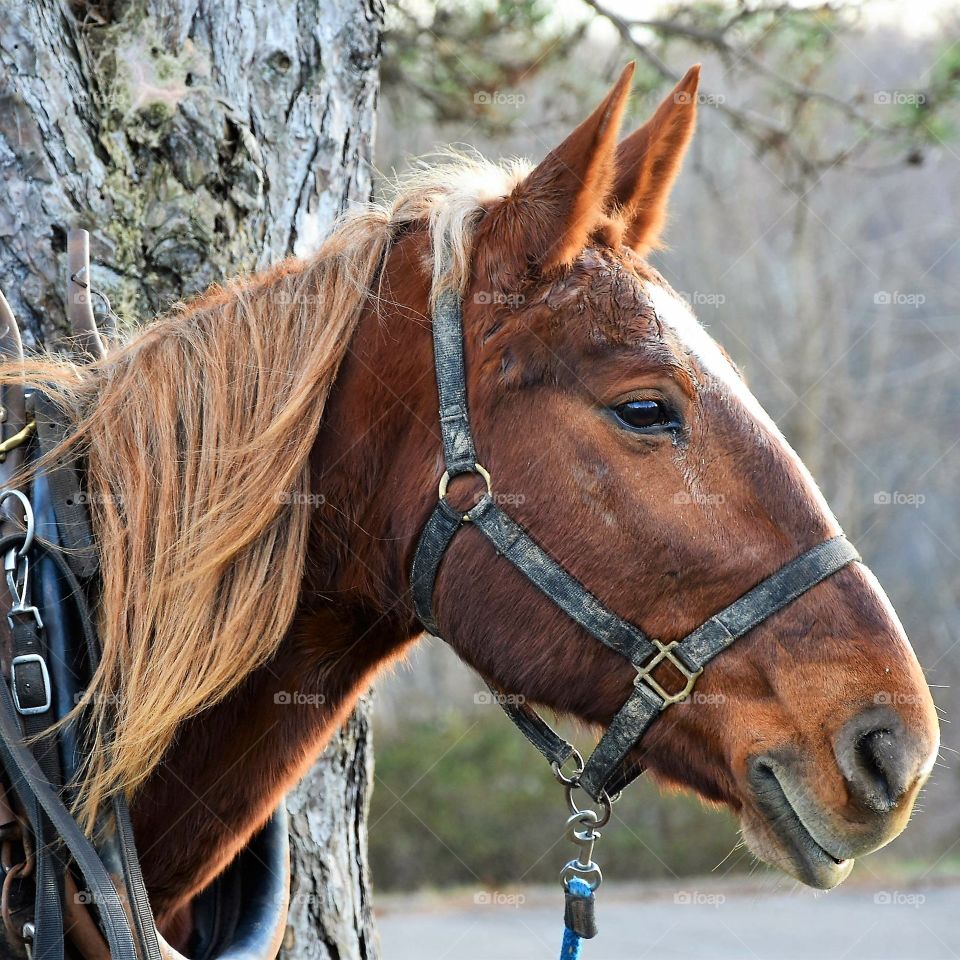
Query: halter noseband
608	769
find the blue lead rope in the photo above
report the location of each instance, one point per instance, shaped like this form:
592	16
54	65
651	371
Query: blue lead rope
572	942
570	948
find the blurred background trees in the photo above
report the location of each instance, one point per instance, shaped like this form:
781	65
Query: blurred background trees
815	232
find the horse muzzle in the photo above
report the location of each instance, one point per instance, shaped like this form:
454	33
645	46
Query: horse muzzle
877	770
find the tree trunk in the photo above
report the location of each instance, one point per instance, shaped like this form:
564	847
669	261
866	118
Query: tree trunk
331	915
196	139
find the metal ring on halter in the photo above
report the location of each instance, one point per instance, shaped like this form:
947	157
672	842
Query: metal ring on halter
575	871
605	802
477	468
574	779
27	516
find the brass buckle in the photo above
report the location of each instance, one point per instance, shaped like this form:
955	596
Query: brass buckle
665	652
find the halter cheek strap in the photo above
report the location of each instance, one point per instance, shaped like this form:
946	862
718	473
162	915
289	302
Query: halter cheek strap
608	769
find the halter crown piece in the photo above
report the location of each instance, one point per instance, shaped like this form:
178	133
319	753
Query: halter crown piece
608	768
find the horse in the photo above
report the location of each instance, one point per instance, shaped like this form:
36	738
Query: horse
261	460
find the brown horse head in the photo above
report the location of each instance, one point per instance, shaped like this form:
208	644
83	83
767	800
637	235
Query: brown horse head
626	442
261	463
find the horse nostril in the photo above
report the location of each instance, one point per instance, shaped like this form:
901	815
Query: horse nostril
879	759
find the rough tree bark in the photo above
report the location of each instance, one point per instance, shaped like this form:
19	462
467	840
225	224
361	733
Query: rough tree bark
196	139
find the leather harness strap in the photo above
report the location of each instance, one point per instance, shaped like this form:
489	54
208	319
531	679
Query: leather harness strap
30	686
26	710
69	504
32	783
608	769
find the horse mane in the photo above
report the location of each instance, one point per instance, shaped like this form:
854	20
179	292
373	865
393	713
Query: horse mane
196	433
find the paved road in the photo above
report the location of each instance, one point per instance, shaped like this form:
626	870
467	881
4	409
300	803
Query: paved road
713	923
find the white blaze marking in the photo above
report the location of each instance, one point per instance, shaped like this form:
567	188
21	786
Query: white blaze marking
675	313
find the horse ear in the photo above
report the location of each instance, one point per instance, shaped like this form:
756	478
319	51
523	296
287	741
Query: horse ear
563	200
649	160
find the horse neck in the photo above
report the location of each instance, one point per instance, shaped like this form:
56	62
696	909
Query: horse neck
233	763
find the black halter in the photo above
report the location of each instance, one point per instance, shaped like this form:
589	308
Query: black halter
608	769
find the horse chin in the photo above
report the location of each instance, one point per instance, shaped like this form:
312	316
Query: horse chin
790	847
790	835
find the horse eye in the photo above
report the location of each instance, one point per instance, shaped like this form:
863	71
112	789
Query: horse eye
643	414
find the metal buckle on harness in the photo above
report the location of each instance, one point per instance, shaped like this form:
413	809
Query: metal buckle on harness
44	678
27	610
665	652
